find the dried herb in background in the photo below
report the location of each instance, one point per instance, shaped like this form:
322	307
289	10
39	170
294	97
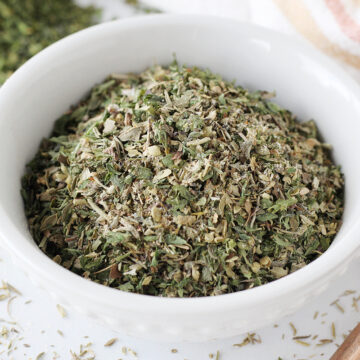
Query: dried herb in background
26	27
177	183
140	7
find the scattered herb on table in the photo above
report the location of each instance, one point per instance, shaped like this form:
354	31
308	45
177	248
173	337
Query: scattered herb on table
12	334
250	338
177	183
26	27
110	342
61	310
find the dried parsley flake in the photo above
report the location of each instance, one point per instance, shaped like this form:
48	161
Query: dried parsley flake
174	182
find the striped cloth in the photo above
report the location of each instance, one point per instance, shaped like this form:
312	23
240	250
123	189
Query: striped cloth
333	26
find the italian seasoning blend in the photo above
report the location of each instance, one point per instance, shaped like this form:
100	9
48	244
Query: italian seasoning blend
177	183
26	27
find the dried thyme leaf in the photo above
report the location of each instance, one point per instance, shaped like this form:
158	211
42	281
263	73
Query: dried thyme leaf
110	342
304	343
338	306
250	338
301	337
61	310
40	356
8	306
176	183
13	289
293	328
85	353
142	8
324	342
333	330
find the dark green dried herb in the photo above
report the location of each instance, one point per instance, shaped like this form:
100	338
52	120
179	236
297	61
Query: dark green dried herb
174	182
26	27
142	8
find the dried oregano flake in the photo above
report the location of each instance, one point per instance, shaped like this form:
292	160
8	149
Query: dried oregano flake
177	183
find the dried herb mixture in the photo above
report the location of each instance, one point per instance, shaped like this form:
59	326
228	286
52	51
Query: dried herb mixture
177	183
26	27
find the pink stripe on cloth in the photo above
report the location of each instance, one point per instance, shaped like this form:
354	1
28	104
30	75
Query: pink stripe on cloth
347	25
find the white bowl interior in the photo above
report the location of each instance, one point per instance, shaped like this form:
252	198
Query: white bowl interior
305	82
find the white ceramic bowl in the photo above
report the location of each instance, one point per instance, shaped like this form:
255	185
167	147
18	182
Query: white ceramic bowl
306	82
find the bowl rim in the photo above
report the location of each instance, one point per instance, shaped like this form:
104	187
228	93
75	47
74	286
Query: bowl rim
68	281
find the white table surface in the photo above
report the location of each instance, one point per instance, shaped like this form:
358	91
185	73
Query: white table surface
38	322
